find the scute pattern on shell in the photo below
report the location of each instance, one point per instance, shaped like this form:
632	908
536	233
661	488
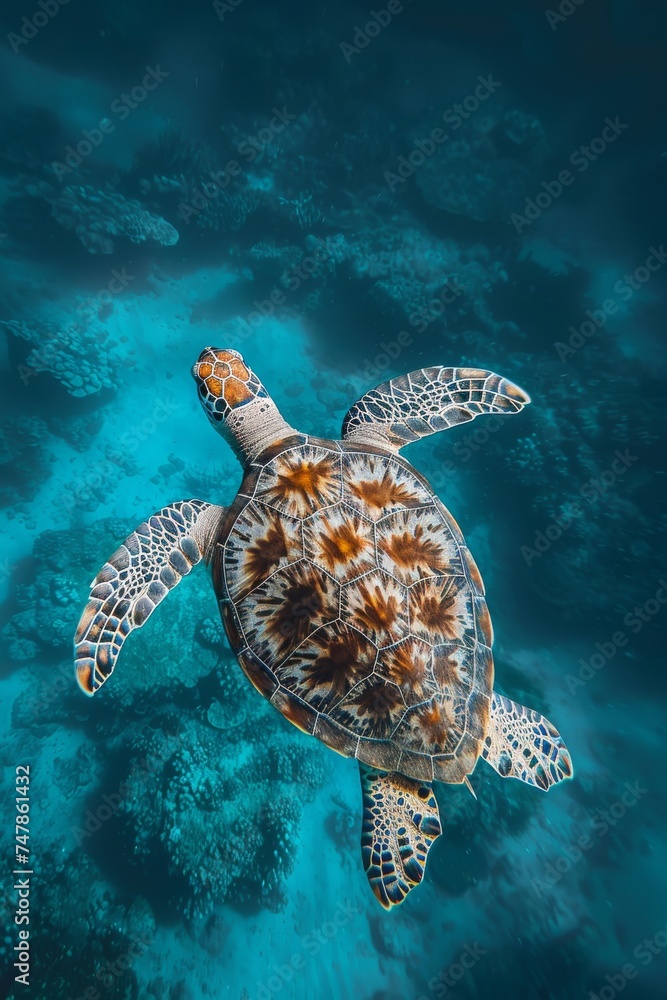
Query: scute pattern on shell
355	607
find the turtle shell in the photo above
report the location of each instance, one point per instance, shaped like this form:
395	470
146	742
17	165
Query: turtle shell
355	607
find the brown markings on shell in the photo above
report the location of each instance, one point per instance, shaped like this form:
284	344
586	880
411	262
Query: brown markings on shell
265	555
343	544
411	550
378	699
408	665
372	710
484	624
258	674
296	711
378	752
453	666
377	609
336	662
479	712
221	368
434	606
205	369
231	628
305	480
298	484
473	571
382	493
432	728
287	607
341	541
290	621
335	736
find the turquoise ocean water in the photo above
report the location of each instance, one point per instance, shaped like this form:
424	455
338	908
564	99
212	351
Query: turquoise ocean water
342	194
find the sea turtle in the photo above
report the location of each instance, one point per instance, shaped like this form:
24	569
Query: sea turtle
349	597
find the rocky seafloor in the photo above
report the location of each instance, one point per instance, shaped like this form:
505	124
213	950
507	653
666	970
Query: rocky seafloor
188	842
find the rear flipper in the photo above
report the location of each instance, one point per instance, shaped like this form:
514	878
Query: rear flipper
128	588
400	823
523	744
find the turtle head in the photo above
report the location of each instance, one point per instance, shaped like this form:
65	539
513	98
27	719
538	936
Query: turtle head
225	383
236	402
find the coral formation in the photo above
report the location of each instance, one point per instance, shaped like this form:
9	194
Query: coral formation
75	904
310	262
220	816
482	171
23	442
98	218
78	353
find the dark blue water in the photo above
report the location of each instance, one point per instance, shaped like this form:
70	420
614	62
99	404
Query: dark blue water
342	194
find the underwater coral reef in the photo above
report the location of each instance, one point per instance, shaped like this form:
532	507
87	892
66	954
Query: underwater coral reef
338	202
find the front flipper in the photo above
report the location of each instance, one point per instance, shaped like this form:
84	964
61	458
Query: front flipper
400	822
128	588
522	744
428	400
